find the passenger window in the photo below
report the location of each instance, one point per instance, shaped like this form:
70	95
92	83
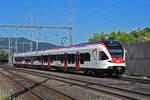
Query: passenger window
87	57
102	55
82	58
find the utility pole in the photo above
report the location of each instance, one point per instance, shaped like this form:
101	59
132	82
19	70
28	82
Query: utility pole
37	41
16	40
9	58
70	22
31	45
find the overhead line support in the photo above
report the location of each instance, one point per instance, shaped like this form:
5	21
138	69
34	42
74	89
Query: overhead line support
38	27
70	22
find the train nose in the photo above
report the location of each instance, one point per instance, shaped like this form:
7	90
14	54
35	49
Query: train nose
118	70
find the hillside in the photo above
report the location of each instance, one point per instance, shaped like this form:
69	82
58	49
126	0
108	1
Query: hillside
26	46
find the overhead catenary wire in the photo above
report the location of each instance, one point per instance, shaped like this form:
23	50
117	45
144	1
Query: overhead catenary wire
46	4
17	14
67	10
97	11
19	11
128	23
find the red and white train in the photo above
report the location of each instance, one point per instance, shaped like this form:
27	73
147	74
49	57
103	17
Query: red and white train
100	57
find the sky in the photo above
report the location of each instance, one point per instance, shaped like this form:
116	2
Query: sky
88	16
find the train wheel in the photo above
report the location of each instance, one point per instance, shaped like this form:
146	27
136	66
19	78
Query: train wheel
86	72
100	73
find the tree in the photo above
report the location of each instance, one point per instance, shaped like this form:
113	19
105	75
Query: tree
145	33
124	37
98	37
112	36
3	55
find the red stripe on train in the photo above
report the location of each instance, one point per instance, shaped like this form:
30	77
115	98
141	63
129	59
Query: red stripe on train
77	61
66	61
42	62
49	63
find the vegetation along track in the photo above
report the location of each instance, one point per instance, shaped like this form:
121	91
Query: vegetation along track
106	89
44	91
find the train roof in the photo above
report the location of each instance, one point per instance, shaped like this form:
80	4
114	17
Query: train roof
80	44
94	42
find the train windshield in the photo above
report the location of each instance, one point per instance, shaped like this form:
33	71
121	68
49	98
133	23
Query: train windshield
115	49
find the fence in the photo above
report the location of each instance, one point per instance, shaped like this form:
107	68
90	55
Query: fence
138	58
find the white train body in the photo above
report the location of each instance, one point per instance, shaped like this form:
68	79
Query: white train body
98	57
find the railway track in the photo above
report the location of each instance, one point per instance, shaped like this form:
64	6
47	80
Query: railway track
43	94
102	88
135	79
23	89
126	78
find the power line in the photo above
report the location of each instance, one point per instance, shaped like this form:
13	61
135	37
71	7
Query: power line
37	27
67	10
43	7
132	22
97	11
19	12
38	11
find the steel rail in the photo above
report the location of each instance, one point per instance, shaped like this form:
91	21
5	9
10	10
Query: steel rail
50	89
88	86
22	86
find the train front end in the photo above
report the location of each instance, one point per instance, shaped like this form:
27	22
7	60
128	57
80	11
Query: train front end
116	61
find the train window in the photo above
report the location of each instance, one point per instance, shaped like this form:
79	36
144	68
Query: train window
51	61
58	57
20	58
45	58
73	58
54	57
15	58
87	57
35	58
39	58
82	58
69	58
61	58
102	55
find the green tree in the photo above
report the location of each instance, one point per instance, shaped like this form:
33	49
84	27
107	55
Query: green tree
141	34
145	33
112	36
98	37
3	55
124	37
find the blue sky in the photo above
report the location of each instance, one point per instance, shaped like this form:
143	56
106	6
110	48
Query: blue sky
89	16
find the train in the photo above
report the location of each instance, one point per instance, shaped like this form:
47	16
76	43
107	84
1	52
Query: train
99	57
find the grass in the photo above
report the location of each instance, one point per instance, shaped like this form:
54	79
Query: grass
2	97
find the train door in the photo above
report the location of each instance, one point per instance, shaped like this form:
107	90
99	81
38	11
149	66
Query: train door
77	61
65	61
42	61
31	61
16	59
49	63
27	61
